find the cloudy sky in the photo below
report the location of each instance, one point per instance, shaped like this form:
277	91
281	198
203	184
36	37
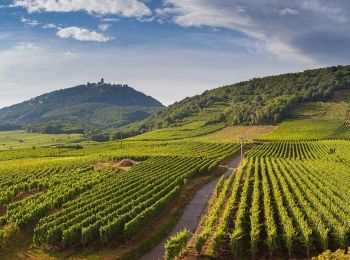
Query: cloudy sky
169	49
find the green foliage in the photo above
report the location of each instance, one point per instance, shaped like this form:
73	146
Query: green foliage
99	137
176	244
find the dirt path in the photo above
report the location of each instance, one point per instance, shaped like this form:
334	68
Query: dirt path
192	212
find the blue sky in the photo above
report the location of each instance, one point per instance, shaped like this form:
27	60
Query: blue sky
169	49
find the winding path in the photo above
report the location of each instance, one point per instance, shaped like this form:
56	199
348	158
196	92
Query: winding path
192	213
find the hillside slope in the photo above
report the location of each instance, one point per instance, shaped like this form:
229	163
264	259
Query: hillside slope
258	101
99	105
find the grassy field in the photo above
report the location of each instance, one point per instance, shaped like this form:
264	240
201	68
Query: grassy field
21	139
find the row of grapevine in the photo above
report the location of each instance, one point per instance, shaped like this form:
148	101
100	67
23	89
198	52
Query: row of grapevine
176	244
213	226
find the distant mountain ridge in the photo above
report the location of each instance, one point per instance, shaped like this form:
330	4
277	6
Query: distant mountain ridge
98	105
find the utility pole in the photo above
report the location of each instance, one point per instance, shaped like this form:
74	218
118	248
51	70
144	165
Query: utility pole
241	149
59	147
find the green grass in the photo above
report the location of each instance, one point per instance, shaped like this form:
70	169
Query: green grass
21	139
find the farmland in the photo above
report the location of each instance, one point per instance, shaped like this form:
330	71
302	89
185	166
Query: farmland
68	202
288	199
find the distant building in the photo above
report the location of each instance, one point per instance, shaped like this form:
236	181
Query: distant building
102	82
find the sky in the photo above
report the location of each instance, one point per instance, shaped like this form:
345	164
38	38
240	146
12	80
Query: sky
169	49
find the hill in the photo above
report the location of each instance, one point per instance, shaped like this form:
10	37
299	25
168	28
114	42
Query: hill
98	105
258	101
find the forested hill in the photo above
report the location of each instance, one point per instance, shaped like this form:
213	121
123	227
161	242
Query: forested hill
98	105
257	101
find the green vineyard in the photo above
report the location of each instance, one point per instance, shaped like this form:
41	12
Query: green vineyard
314	121
70	201
303	150
288	199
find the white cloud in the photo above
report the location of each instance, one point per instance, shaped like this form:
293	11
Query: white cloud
33	23
110	19
127	8
26	46
50	26
286	52
288	11
30	22
26	66
104	27
336	10
82	34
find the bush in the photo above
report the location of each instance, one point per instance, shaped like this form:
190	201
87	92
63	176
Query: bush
99	137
